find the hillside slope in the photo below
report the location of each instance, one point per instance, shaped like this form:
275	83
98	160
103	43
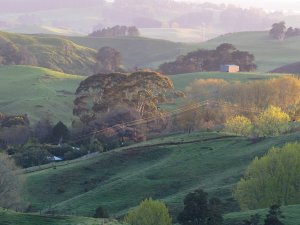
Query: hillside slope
165	168
269	53
54	53
38	92
13	218
290	68
137	51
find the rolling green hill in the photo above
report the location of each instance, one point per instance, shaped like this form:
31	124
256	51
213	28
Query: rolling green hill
166	168
269	53
137	51
54	53
13	218
37	92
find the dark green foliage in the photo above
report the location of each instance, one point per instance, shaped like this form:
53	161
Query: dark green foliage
273	216
254	220
198	210
108	60
210	60
278	30
101	213
116	31
32	157
60	132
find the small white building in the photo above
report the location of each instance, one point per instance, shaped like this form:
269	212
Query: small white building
229	68
54	158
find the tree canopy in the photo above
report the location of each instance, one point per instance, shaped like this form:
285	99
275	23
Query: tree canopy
271	179
210	60
108	60
149	212
198	210
111	101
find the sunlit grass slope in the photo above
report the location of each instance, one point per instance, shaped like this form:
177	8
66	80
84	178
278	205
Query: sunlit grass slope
55	52
37	92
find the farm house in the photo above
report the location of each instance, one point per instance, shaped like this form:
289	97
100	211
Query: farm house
229	68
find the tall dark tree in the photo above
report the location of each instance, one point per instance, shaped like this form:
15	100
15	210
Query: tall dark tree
198	210
274	215
278	31
60	132
108	60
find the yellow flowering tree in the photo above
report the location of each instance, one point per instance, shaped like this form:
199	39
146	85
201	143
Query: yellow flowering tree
239	125
272	122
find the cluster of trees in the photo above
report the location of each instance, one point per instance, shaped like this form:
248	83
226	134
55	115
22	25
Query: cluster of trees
198	209
11	54
14	130
120	105
271	122
271	179
116	31
210	60
273	217
283	92
256	108
37	144
108	60
279	31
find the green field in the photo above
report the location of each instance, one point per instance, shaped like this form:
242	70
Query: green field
13	218
55	52
269	53
37	92
165	168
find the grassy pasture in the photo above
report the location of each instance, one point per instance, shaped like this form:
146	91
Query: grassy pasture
37	92
165	168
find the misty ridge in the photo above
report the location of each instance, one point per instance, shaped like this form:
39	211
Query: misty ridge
83	17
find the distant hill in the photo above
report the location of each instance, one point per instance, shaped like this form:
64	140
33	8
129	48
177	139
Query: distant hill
55	53
293	68
269	53
36	29
38	92
138	51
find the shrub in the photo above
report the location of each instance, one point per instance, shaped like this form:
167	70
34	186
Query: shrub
239	125
149	212
272	122
101	213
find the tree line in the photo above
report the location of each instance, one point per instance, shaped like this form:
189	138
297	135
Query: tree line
280	32
116	31
210	60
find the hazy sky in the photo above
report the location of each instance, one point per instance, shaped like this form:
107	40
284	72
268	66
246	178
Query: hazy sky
268	4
